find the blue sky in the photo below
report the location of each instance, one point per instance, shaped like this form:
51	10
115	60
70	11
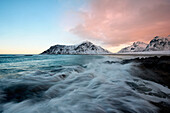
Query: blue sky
31	26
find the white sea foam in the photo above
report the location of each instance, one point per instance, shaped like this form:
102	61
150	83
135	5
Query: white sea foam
96	87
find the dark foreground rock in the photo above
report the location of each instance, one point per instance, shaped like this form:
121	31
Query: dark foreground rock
156	69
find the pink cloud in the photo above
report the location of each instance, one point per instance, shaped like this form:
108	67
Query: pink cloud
116	22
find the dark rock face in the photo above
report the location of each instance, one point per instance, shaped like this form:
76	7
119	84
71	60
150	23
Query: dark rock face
159	66
153	68
83	48
156	69
52	49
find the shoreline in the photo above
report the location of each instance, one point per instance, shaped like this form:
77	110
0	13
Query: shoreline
95	54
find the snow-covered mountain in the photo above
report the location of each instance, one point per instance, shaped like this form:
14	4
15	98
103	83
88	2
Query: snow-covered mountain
158	44
83	48
135	47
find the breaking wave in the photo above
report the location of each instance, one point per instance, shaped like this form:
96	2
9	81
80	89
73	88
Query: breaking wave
92	86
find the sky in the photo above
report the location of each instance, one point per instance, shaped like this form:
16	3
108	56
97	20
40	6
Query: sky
32	26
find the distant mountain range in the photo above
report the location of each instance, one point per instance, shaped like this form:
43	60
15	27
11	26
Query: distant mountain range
83	48
156	44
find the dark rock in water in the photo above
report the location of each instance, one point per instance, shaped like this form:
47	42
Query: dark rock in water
164	107
140	88
62	76
154	68
111	62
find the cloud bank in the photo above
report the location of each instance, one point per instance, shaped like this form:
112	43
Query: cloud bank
116	22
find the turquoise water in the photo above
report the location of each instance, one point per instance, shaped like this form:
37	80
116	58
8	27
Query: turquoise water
16	65
76	84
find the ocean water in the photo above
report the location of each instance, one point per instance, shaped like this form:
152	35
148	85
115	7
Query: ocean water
75	84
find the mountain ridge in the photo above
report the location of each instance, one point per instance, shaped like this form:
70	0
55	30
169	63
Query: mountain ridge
156	44
85	47
135	47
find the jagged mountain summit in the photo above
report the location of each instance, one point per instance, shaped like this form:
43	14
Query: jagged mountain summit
83	48
158	44
135	47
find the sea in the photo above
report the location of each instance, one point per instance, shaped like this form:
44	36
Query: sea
76	84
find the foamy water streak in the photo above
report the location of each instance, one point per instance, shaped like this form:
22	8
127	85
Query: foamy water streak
92	87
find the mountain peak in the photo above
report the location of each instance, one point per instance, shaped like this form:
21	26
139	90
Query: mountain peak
85	47
87	42
158	44
135	47
138	42
156	37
